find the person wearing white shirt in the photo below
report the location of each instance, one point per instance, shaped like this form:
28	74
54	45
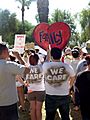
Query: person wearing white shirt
59	78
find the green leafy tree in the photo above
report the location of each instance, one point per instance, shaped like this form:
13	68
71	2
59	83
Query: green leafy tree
8	25
24	3
85	24
29	30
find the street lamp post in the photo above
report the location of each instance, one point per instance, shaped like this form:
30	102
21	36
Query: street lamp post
23	9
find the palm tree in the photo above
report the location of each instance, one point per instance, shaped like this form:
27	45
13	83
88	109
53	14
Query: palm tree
43	10
24	3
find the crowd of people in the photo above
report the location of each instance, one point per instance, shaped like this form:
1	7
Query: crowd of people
56	78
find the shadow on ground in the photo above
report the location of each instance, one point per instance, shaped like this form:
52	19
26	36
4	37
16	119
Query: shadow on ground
74	115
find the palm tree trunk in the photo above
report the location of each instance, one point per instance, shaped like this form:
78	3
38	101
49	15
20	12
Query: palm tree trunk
43	10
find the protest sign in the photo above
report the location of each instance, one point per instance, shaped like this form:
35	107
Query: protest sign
0	39
19	43
56	34
40	35
59	34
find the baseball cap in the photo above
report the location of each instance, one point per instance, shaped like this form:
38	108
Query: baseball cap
68	50
75	53
86	49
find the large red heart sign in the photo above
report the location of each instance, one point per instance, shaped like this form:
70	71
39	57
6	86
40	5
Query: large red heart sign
59	34
56	34
40	35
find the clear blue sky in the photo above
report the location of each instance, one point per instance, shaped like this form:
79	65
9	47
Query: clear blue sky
73	6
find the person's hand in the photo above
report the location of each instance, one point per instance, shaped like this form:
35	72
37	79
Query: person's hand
15	53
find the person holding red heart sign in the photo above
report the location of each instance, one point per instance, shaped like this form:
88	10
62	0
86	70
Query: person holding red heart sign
59	78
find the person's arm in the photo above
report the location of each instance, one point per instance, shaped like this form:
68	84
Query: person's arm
17	55
77	82
26	71
19	78
71	81
48	57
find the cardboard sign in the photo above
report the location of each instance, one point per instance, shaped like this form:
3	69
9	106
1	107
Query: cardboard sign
56	34
40	35
19	43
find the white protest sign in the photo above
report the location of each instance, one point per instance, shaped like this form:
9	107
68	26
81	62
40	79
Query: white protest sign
19	43
0	39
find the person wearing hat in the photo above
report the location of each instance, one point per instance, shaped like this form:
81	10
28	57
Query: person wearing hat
74	62
68	55
82	64
83	86
86	49
76	58
59	77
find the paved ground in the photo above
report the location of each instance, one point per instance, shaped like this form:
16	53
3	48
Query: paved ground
74	115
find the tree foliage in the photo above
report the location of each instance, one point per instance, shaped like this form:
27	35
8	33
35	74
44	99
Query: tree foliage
29	30
9	26
24	3
85	24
